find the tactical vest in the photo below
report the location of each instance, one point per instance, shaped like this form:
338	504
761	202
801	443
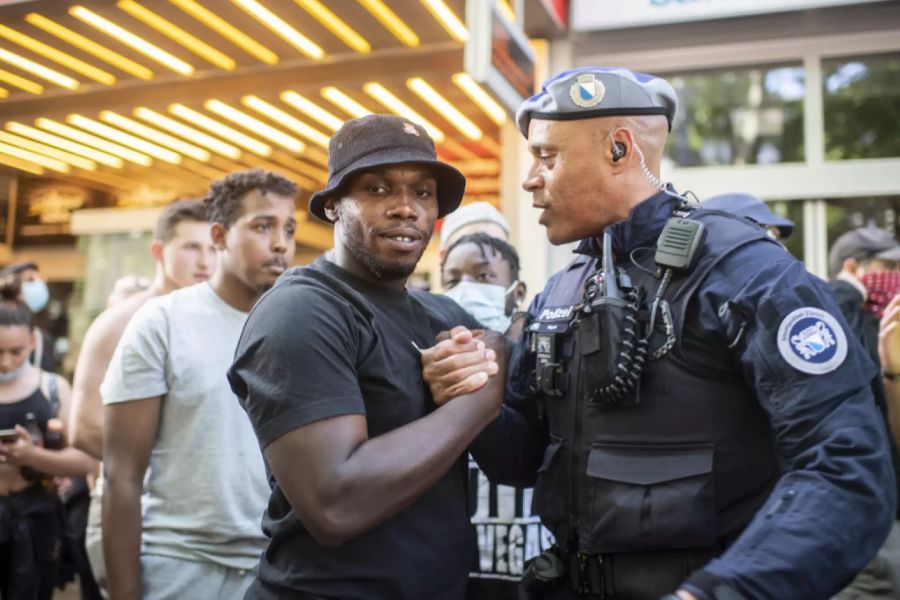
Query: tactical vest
686	467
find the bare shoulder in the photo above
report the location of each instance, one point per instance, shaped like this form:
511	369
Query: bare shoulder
106	330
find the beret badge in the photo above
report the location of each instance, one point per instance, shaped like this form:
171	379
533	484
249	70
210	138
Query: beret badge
587	91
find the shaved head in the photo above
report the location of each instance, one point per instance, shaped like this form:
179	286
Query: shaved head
650	133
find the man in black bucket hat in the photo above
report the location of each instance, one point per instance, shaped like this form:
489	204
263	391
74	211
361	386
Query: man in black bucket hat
369	476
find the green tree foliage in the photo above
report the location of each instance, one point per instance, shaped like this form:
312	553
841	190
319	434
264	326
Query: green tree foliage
738	116
862	107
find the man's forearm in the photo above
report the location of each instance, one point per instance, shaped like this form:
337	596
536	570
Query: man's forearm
387	473
122	537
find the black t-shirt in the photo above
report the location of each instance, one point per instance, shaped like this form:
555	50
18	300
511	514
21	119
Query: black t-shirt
323	343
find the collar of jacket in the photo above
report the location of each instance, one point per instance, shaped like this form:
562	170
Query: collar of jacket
640	230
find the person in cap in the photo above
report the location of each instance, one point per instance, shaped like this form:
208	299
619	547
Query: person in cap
369	476
865	281
688	401
750	207
36	296
475	217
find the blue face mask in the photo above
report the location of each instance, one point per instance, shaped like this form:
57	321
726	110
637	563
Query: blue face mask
36	295
484	301
15	374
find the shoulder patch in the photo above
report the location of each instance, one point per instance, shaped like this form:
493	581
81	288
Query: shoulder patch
812	341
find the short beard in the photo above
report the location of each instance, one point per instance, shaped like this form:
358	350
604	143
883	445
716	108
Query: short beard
353	232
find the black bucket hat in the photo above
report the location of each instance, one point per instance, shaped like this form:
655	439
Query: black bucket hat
380	141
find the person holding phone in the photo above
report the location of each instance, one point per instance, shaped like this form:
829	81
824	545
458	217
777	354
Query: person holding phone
31	519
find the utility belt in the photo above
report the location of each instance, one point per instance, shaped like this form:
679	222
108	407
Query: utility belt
625	576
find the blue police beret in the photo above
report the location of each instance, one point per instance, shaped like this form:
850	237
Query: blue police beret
598	92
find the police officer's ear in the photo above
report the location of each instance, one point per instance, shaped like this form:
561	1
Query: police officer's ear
621	146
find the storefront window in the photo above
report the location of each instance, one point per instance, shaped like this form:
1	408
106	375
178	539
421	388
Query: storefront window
862	107
846	214
792	210
738	116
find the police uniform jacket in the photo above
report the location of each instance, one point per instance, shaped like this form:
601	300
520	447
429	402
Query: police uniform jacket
756	432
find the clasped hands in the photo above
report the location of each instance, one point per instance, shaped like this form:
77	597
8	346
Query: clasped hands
462	362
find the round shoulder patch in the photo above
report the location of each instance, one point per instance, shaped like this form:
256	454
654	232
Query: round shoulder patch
812	341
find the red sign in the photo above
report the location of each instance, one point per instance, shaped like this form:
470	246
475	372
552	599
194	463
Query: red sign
560	9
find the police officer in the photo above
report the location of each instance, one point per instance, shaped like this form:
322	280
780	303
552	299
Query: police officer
696	419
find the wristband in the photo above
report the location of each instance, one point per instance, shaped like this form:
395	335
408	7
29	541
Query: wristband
891	376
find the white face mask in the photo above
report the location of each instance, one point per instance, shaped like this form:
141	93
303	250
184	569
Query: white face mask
484	301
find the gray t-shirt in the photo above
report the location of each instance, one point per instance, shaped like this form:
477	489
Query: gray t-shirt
206	488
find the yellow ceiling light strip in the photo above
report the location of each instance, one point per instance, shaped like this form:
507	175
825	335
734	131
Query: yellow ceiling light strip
44	161
339	98
38	70
458	149
64	144
320	175
253	124
491	146
504	8
66	60
281	28
3	93
206	171
92	140
448	19
316	156
335	25
228	31
177	34
89	46
443	106
129	39
391	22
480	97
72	159
282	118
310	109
22	164
21	83
195	135
397	106
220	129
155	136
125	139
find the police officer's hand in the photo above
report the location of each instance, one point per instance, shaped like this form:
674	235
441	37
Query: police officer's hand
461	363
889	337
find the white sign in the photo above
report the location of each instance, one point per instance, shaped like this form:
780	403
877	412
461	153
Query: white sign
588	15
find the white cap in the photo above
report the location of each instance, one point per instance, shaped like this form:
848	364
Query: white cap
469	214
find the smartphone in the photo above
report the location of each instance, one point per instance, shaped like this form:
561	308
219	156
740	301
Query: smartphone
9	436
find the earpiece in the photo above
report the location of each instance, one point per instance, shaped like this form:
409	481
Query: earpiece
618	151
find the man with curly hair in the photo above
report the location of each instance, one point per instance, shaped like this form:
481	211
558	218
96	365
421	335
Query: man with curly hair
186	483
